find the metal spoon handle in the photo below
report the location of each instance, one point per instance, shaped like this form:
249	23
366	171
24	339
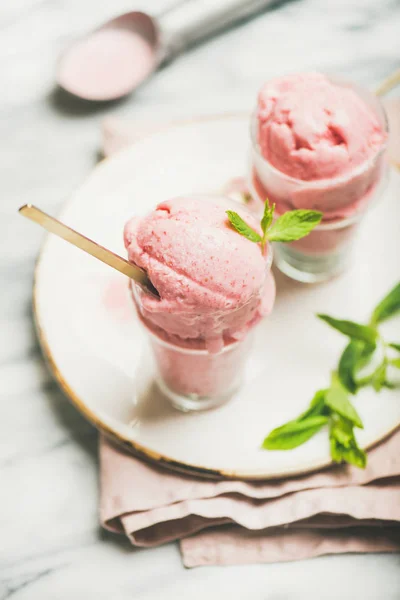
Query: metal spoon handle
87	245
190	21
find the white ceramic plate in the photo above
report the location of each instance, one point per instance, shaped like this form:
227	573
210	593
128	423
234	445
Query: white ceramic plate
94	344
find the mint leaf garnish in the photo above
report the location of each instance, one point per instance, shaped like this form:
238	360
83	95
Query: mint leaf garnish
241	227
293	433
355	356
355	455
338	401
347	365
342	431
351	329
343	444
267	217
333	405
388	306
317	406
293	225
378	378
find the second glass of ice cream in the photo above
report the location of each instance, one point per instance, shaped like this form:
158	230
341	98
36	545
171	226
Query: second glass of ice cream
318	144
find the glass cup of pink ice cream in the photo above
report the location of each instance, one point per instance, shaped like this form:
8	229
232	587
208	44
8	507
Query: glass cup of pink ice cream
214	286
318	143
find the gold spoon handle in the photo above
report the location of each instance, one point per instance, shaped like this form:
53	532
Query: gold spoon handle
87	245
388	84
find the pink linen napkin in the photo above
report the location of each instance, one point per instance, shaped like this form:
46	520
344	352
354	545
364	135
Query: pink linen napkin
341	509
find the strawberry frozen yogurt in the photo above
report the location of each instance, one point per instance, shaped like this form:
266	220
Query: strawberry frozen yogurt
214	287
318	144
213	282
311	128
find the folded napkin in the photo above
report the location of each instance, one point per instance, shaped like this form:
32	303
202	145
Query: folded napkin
341	509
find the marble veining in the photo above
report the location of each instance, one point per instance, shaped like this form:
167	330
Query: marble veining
51	545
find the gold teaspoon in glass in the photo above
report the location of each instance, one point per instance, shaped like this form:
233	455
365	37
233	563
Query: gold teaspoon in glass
87	245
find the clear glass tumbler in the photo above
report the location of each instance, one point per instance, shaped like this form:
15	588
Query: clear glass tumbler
196	380
191	373
343	201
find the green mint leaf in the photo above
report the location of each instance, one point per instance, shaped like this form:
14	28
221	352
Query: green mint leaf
293	433
355	456
366	352
267	216
293	225
316	408
351	329
342	437
387	307
335	448
347	366
395	362
378	378
343	444
342	431
338	400
395	346
241	227
355	356
390	385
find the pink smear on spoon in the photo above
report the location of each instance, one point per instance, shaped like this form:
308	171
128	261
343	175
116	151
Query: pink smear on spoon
111	61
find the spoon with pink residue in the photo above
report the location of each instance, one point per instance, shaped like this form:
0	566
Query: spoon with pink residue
117	57
111	61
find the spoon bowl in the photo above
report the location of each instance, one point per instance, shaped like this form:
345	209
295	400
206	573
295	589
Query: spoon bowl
112	60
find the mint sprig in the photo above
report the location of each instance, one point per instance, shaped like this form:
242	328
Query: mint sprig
294	225
241	227
289	227
333	406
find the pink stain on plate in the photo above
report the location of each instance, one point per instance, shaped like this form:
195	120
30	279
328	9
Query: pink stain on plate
117	301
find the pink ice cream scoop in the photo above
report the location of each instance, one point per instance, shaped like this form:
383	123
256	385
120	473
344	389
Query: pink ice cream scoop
319	144
310	128
214	284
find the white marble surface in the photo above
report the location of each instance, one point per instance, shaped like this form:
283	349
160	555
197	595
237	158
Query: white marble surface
51	545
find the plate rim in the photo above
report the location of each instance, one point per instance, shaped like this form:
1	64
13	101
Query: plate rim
133	447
